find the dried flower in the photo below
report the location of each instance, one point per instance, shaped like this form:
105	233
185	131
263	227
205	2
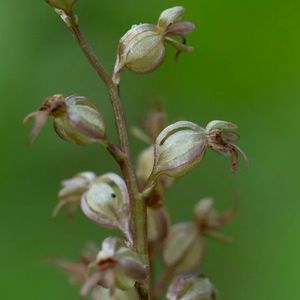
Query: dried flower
77	270
106	202
191	287
116	266
209	220
178	148
65	5
72	190
220	137
76	120
142	48
183	248
154	122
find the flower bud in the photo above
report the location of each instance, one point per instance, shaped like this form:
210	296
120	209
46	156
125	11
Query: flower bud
183	248
65	5
178	148
76	120
72	190
107	203
220	137
142	48
191	287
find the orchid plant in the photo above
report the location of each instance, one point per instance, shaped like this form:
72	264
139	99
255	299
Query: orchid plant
133	201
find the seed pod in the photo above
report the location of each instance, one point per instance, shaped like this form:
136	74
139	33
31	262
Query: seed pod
65	5
191	287
183	248
107	203
76	120
178	148
72	190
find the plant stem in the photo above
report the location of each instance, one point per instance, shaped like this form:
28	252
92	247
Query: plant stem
163	282
138	206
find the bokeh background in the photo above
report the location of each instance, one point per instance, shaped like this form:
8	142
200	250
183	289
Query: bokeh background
245	69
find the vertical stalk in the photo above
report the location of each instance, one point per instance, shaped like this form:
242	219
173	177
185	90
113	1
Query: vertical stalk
137	204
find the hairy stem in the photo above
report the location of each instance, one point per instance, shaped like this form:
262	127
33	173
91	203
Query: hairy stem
138	206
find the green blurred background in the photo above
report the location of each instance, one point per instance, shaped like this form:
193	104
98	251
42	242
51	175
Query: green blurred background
245	69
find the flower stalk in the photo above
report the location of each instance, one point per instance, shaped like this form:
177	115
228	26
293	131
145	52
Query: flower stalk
137	203
134	203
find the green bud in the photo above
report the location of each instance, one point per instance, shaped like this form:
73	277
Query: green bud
76	120
65	5
191	287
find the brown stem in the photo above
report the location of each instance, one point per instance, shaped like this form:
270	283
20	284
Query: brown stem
138	206
163	282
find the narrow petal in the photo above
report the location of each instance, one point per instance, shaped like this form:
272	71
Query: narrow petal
182	29
40	120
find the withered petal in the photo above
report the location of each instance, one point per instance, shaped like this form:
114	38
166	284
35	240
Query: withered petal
40	120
